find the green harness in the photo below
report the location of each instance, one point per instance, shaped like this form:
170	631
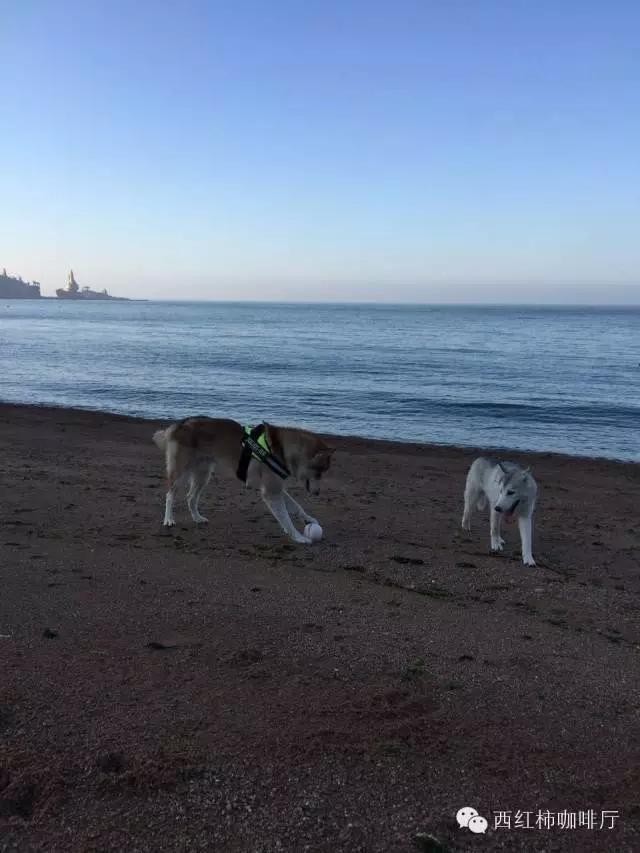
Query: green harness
256	446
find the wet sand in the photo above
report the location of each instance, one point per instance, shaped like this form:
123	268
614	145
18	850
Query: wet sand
222	689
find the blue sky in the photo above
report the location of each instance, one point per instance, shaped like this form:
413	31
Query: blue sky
405	151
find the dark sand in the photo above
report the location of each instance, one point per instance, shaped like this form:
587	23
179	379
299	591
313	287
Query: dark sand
345	696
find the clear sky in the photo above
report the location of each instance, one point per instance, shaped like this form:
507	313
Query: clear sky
339	149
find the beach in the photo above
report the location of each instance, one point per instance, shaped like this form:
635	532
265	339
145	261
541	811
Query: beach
222	689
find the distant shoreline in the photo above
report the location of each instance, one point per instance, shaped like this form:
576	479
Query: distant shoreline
537	306
79	299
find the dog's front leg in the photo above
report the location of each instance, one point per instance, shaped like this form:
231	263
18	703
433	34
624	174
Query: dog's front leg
524	524
496	540
278	508
294	508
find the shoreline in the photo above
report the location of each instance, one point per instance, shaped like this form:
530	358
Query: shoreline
385	443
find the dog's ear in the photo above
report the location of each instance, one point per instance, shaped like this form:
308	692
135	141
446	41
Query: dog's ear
322	450
322	447
322	458
502	468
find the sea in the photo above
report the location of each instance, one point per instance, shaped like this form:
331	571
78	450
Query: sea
563	379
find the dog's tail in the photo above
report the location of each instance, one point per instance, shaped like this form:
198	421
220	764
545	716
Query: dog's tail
160	439
482	502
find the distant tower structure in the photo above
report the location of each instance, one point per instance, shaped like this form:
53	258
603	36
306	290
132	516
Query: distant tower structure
72	284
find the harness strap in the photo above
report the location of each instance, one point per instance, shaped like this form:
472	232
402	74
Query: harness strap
255	444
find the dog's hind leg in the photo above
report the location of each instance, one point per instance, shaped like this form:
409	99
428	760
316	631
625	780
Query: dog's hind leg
471	497
497	541
175	473
524	524
199	478
172	487
294	508
466	515
278	508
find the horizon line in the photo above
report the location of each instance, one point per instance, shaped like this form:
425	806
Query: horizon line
401	303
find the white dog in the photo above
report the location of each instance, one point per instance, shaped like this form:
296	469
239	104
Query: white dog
511	492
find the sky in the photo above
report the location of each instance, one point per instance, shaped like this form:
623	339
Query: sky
449	151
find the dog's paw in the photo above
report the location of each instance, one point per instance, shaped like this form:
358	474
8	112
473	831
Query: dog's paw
529	561
170	523
302	540
200	519
466	526
497	545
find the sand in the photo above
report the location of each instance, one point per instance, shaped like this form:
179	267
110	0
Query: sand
222	689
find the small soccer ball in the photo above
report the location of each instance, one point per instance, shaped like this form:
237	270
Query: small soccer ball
313	531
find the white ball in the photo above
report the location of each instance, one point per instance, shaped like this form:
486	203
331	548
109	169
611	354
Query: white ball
313	531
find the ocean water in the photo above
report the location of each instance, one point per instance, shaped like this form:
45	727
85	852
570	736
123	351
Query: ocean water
550	379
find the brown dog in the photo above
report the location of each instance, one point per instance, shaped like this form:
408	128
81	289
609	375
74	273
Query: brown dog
195	446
